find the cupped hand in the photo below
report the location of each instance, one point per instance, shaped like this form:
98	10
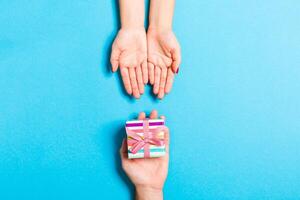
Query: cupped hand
164	58
147	173
129	52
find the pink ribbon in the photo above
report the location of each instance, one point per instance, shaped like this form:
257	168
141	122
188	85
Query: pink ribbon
149	138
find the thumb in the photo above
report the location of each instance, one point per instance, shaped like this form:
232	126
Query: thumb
167	139
114	59
176	57
114	66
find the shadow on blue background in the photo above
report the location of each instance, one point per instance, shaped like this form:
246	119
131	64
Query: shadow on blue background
119	134
116	142
233	112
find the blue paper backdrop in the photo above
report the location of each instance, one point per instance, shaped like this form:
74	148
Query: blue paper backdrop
234	111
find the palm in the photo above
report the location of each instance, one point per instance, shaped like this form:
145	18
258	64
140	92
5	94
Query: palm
160	47
163	60
147	171
132	46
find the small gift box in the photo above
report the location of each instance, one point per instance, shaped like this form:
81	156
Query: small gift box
146	138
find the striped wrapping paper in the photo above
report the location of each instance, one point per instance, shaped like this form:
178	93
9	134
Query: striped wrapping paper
155	151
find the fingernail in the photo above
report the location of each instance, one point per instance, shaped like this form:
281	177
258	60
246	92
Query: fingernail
177	70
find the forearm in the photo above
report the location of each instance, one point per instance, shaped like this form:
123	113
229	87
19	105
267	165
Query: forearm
143	193
161	14
132	13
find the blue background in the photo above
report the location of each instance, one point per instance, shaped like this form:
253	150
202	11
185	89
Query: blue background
234	111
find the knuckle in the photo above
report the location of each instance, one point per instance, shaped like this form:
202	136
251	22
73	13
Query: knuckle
132	78
123	63
124	75
127	85
151	59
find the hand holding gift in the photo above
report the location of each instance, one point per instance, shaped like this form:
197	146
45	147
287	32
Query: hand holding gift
146	138
148	175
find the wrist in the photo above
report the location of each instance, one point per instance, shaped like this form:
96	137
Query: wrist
146	192
158	31
161	14
159	28
132	13
133	28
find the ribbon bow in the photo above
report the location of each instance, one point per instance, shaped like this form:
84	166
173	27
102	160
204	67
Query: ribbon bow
149	138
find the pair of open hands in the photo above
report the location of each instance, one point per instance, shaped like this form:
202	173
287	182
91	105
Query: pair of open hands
146	57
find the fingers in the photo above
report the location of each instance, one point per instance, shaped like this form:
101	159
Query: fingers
176	57
151	73
126	80
156	80
170	79
139	77
133	82
142	116
167	140
162	83
153	114
114	58
114	66
166	132
145	72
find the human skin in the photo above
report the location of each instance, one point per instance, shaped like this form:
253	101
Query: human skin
154	56
148	175
129	50
164	55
